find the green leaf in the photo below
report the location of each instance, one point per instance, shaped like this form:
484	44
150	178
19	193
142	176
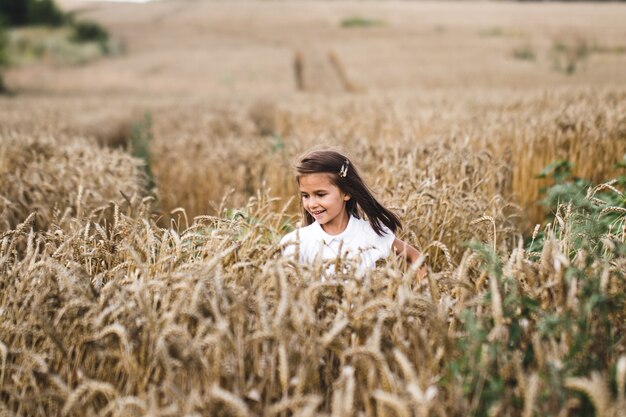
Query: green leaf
559	170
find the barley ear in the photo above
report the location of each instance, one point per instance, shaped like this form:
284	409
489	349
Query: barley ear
392	401
235	404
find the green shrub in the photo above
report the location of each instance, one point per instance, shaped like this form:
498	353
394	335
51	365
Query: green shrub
87	31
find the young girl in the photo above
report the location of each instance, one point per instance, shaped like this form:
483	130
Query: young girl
335	203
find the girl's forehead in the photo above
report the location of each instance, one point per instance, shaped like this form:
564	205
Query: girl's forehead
316	181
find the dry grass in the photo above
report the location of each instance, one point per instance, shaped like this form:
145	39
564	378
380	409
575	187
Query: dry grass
58	177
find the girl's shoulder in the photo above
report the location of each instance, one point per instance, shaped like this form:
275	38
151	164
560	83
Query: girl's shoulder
365	227
299	234
366	236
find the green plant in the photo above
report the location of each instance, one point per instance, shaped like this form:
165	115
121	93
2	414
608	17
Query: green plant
596	210
567	57
87	31
492	32
58	45
3	56
3	46
356	21
140	138
603	49
495	355
524	53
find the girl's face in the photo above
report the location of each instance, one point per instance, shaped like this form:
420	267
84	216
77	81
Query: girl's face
324	201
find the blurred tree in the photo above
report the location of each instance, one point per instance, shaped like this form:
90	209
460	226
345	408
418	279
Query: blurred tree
3	56
14	12
31	12
44	12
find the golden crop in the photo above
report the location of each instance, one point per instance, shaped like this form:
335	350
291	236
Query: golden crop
110	310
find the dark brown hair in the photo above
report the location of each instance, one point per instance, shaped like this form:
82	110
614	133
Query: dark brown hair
344	175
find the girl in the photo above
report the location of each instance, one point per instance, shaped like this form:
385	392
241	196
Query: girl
335	201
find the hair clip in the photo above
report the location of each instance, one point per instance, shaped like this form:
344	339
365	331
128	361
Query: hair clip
344	169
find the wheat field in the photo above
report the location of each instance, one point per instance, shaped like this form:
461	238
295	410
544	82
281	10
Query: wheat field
142	198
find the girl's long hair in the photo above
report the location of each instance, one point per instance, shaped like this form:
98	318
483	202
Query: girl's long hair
344	175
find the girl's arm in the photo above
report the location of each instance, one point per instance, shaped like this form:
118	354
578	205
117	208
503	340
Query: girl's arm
410	254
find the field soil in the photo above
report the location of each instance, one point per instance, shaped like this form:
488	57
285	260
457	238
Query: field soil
247	49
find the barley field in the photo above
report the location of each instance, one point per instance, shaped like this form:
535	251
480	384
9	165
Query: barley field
143	196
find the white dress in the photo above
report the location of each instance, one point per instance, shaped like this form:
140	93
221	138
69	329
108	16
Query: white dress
359	242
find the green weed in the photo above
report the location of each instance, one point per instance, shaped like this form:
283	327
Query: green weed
524	53
85	31
3	56
356	21
140	139
568	57
491	32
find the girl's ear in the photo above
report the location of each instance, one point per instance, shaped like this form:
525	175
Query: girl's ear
346	197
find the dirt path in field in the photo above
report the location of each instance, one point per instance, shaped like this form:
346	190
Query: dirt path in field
247	49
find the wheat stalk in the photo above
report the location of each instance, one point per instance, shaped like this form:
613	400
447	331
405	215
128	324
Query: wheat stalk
595	388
